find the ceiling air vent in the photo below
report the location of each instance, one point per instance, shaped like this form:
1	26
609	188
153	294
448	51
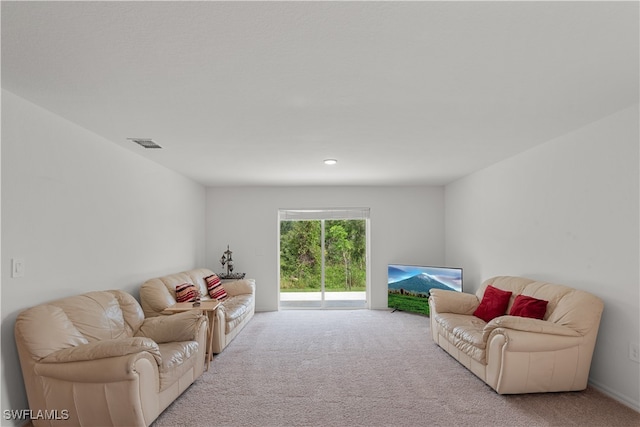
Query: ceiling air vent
145	142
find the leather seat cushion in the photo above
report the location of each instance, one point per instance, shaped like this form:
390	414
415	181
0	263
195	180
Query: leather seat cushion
236	309
465	332
177	358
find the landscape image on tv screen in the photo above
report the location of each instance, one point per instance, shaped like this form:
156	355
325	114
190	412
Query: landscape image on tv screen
409	285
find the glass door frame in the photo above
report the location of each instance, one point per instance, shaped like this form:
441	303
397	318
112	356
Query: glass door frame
322	219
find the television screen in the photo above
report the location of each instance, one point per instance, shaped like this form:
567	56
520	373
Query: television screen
409	285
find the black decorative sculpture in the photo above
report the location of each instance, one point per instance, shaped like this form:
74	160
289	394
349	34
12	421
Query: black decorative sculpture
227	260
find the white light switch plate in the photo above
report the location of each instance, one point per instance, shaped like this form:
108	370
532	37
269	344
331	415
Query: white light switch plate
17	267
634	352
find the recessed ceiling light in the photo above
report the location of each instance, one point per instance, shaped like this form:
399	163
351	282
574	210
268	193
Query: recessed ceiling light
330	161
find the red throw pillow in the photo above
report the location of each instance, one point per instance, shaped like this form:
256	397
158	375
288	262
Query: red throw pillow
525	306
494	303
187	292
215	288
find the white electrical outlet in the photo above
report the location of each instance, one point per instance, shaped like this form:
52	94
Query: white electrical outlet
634	352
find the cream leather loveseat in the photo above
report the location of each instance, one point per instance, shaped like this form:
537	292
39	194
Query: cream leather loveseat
231	317
94	360
515	354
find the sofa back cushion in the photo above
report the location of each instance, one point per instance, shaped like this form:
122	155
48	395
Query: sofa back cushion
131	311
98	315
76	320
507	283
578	310
45	329
170	281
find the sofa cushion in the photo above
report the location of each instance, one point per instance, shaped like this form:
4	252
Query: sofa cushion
215	288
46	329
525	306
176	360
97	314
575	310
494	303
187	292
465	332
239	287
235	310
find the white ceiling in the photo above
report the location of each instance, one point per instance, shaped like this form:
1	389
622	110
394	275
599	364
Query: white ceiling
259	93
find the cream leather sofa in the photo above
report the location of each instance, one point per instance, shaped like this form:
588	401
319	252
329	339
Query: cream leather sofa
97	361
519	354
231	317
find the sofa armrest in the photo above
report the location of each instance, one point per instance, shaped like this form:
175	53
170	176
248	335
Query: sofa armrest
105	349
238	287
107	370
532	342
177	327
540	334
528	324
444	301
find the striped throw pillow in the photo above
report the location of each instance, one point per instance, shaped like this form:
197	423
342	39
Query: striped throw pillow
215	288
187	292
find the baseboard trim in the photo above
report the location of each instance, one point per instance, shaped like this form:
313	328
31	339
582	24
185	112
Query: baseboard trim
615	395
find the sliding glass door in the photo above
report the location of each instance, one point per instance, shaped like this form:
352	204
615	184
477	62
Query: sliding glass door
301	264
323	258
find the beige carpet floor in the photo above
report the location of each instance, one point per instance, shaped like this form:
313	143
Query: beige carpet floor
363	368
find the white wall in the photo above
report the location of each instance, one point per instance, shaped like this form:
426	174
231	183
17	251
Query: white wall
565	212
85	214
407	226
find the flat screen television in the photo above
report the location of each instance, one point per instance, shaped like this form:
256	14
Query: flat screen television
408	286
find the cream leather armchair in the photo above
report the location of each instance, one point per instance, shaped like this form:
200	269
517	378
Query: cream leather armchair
95	359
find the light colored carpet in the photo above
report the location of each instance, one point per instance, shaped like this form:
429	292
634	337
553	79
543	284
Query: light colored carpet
363	368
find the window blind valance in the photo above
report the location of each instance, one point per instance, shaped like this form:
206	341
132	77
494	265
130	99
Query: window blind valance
317	214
